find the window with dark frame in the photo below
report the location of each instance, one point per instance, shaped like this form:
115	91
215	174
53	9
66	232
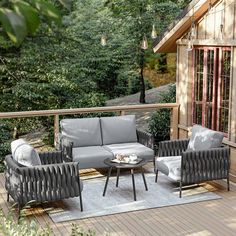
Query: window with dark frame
211	87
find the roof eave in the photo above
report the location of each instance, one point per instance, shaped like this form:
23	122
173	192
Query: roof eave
167	44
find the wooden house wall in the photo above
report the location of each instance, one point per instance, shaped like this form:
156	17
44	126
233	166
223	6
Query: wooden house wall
208	34
223	13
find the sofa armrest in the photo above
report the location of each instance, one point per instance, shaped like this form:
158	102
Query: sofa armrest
146	139
205	165
172	147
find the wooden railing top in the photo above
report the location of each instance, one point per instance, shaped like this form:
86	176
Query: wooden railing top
73	111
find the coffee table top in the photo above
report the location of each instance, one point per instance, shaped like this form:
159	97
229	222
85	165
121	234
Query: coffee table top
109	163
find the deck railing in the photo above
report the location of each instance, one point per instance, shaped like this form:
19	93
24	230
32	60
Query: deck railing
119	109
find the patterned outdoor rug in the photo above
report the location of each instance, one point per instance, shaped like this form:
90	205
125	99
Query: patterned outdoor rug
119	200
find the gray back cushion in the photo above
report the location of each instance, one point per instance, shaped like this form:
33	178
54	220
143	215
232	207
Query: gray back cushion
82	132
24	153
203	138
118	129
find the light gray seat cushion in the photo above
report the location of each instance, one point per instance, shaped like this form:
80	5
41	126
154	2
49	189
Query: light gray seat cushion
91	156
131	148
170	166
24	153
82	132
203	138
118	129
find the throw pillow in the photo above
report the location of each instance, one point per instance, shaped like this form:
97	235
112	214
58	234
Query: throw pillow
203	138
24	153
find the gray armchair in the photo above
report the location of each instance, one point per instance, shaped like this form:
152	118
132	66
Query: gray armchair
190	167
51	181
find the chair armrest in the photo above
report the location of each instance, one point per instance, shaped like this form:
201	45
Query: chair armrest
146	139
42	182
204	165
172	147
51	157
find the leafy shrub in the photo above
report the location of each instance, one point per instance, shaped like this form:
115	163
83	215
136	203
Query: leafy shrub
159	124
78	231
5	138
9	227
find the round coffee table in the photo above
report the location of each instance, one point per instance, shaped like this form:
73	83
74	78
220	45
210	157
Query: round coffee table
119	166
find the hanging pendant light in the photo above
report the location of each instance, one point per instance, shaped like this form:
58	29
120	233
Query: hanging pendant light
190	46
144	43
154	32
190	42
209	8
221	31
103	40
193	31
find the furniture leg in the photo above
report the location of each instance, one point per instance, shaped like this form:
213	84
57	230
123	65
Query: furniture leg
154	164
144	180
156	176
80	198
228	187
132	173
105	188
117	176
180	189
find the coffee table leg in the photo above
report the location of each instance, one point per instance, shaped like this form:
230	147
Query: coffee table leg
132	173
117	176
105	187
144	180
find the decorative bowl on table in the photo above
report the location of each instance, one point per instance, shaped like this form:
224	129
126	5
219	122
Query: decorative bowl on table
122	158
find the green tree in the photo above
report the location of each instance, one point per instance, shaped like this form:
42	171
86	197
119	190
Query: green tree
22	17
137	17
159	124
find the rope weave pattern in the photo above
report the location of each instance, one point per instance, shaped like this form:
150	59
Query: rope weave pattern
51	181
201	166
172	147
145	138
198	166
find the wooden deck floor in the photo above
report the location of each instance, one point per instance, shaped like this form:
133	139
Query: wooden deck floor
207	218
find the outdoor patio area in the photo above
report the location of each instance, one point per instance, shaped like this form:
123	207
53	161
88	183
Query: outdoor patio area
215	217
118	118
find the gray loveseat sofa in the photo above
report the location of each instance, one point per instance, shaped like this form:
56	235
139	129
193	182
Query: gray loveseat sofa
90	141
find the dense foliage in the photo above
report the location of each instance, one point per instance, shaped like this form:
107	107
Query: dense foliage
138	17
9	227
159	124
67	67
21	17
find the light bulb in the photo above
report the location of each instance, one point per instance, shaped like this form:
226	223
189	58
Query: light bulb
154	32
193	31
144	44
103	40
209	7
221	31
190	45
